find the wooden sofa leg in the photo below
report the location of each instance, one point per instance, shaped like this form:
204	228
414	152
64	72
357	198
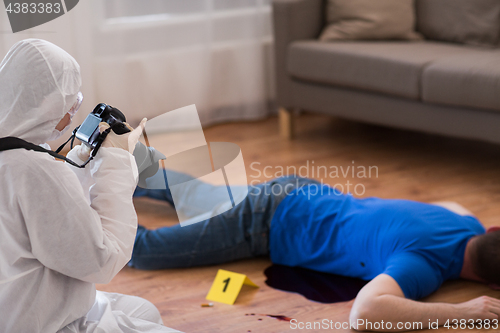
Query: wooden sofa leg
286	120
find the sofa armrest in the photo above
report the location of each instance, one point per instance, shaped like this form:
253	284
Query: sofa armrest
293	20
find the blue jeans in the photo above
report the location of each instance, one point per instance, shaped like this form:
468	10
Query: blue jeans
241	232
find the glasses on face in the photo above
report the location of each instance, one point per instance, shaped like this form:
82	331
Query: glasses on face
76	106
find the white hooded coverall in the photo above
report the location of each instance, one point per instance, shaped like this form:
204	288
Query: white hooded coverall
58	237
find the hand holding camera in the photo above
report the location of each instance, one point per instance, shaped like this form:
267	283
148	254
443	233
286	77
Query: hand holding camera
83	152
106	126
125	141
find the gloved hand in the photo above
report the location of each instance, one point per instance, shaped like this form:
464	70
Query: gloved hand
83	152
125	141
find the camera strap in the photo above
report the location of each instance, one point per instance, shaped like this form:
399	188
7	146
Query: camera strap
10	142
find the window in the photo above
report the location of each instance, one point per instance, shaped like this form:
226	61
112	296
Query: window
174	8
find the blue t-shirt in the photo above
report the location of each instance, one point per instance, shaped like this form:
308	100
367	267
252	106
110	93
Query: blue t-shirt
419	245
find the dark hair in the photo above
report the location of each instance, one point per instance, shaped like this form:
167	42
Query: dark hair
485	256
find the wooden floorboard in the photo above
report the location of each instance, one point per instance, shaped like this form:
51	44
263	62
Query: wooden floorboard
410	165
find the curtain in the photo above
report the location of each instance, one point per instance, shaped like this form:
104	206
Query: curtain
147	57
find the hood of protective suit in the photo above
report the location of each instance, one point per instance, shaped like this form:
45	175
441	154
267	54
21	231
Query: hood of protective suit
39	83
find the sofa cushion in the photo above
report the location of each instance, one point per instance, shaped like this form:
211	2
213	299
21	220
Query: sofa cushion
387	67
473	22
369	19
470	80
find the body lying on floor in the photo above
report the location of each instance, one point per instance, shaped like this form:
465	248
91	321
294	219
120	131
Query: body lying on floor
406	249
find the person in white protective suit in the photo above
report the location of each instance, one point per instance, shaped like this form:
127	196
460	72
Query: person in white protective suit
62	229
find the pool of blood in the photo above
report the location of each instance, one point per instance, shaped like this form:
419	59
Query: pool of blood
316	286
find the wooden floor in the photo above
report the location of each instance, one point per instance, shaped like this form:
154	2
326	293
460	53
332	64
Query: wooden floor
410	165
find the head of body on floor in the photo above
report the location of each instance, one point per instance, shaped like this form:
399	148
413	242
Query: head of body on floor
485	256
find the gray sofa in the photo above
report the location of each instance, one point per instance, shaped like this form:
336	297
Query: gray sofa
437	87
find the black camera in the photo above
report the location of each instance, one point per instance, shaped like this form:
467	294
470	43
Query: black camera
88	133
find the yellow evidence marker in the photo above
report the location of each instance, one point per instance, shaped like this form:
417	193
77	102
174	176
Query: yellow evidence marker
227	285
